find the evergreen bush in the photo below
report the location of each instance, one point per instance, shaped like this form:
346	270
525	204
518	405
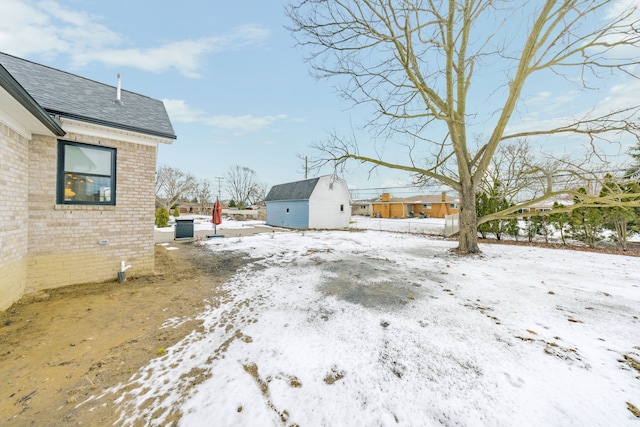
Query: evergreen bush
162	217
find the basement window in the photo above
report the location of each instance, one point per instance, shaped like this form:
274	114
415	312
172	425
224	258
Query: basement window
86	174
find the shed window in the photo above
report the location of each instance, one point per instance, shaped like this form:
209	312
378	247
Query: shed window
86	174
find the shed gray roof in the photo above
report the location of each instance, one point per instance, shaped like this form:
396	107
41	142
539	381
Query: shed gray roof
79	98
299	190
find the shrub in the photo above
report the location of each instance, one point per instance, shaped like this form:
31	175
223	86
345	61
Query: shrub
162	217
176	212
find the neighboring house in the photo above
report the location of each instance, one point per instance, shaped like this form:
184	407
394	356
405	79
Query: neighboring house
320	203
77	185
362	207
547	205
427	206
195	208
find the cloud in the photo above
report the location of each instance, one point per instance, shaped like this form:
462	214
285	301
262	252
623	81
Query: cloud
180	112
243	124
48	29
186	55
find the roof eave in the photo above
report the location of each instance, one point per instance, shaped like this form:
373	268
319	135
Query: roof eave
16	90
106	123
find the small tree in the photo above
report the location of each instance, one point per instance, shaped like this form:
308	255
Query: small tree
533	227
484	206
162	217
586	221
634	224
544	227
176	212
560	220
513	228
633	172
617	218
487	204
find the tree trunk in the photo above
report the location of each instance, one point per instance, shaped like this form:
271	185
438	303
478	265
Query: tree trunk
468	236
621	231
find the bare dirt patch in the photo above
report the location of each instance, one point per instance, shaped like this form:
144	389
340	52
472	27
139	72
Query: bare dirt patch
57	348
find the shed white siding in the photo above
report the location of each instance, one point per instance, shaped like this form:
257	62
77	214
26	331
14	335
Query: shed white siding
330	204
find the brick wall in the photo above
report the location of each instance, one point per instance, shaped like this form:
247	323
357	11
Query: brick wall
13	218
63	240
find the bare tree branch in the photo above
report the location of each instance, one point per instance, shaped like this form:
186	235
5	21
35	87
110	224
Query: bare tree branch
173	185
415	62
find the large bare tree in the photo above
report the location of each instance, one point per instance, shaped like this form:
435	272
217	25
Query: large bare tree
173	185
417	62
243	185
202	194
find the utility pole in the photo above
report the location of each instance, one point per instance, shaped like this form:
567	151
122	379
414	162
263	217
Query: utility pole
219	178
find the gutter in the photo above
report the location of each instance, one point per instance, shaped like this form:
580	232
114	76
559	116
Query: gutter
107	123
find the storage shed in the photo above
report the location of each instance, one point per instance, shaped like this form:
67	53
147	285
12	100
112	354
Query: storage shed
319	203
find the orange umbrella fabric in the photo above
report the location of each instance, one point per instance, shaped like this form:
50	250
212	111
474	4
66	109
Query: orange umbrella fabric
216	214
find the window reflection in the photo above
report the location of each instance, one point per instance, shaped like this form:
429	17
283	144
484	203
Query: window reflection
83	188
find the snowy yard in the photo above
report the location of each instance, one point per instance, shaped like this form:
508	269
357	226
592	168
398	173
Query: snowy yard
381	329
433	226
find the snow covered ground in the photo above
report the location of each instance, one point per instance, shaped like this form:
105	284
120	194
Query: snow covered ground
373	328
433	226
202	222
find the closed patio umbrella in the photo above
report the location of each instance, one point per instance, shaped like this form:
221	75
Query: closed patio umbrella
216	215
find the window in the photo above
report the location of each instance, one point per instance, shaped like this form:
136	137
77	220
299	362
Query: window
453	205
86	174
341	208
426	206
287	210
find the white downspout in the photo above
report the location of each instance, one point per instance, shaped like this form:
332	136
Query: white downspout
121	274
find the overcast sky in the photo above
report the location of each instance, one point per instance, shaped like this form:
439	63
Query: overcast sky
234	83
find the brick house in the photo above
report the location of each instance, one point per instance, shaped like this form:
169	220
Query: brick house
78	161
426	206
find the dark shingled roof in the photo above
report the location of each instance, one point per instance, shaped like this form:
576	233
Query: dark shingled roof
13	88
299	190
79	98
